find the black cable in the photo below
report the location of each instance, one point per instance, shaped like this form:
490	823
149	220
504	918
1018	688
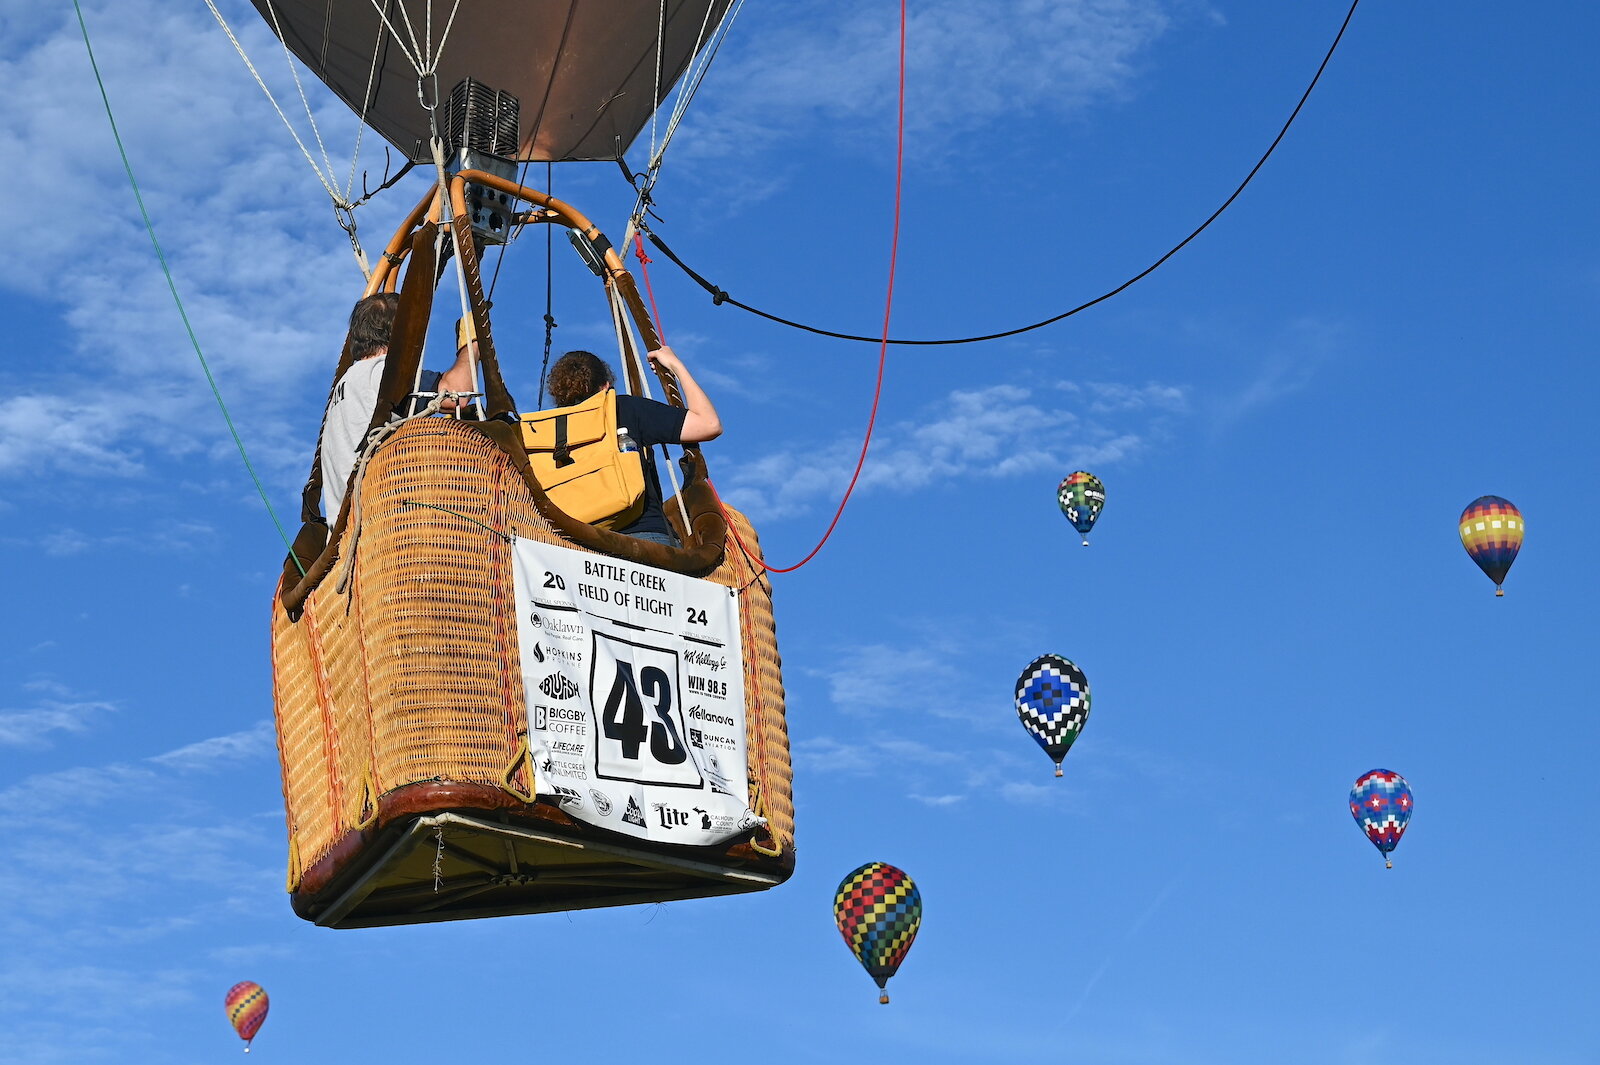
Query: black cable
720	296
549	282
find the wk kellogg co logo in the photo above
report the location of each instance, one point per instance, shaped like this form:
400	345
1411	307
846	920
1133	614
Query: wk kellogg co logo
558	686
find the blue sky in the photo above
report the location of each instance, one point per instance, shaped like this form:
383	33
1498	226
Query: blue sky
1397	317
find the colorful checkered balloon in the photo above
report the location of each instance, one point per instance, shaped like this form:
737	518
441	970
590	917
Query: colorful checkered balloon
1082	497
247	1009
879	910
1053	703
1381	804
1491	531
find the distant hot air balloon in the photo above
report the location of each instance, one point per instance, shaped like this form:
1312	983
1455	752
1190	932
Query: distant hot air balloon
247	1008
879	910
1381	804
1082	497
1053	702
1491	531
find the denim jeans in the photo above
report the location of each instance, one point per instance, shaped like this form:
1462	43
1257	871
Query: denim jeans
654	537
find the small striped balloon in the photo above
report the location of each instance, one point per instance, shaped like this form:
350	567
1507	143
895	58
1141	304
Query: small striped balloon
879	910
247	1009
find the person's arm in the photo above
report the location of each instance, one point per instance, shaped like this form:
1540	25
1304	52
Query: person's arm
460	377
701	422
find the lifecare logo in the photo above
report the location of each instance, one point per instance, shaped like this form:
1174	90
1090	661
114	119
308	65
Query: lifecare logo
558	686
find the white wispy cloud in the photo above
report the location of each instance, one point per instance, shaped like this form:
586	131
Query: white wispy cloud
1291	360
30	727
989	432
44	793
252	250
252	743
968	65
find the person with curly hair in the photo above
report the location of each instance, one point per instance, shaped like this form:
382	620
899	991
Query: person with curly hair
577	375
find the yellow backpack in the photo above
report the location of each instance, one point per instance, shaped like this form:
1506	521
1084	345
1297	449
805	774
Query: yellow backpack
575	457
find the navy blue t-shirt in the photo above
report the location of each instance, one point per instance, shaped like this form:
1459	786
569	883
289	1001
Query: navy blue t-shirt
649	423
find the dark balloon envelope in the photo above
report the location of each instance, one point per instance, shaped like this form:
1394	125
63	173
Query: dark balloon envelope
879	910
585	74
1052	698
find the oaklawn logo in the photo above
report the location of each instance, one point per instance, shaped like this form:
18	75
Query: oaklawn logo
558	686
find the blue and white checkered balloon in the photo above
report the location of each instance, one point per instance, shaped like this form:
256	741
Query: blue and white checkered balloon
1053	703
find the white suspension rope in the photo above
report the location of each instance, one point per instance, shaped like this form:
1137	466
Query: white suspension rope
705	51
325	178
661	47
366	105
632	345
288	58
627	350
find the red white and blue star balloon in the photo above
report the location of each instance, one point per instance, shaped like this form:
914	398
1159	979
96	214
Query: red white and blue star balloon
1381	803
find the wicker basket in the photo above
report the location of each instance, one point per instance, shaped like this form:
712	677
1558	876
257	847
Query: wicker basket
402	722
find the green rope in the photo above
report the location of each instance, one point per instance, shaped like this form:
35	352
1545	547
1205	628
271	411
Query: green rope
151	229
457	514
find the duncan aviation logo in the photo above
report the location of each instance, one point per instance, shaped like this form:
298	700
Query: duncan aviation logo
558	686
633	815
602	802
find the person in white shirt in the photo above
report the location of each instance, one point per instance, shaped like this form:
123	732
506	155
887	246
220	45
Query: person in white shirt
344	425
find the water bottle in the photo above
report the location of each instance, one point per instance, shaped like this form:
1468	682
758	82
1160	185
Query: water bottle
624	441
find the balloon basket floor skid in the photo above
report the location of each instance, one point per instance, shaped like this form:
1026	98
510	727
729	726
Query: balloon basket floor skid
454	867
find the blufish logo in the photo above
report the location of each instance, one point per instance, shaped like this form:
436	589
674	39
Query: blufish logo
558	686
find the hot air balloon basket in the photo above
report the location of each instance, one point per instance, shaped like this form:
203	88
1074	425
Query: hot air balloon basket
403	723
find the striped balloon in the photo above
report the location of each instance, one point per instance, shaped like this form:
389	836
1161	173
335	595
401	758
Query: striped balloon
247	1008
1081	497
879	910
1491	531
1381	803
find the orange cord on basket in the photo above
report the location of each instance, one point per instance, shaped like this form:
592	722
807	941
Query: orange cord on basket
883	347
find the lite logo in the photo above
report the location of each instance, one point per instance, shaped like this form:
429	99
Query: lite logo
670	818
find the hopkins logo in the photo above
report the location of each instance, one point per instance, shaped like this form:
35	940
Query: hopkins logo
633	815
602	802
537	652
671	817
558	686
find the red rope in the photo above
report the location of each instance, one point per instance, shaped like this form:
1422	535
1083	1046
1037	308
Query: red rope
883	346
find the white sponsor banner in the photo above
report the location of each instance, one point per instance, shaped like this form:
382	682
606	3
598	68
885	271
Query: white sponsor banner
635	690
